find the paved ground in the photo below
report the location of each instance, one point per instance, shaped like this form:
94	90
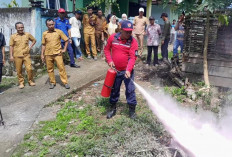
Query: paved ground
21	108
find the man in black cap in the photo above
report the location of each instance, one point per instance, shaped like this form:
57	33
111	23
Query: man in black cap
165	36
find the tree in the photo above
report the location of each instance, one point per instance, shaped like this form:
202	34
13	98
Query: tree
108	3
209	7
12	4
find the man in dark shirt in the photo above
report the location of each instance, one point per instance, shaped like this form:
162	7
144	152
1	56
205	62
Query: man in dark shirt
2	55
62	23
165	36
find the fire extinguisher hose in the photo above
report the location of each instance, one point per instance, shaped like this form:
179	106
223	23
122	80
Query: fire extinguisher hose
108	86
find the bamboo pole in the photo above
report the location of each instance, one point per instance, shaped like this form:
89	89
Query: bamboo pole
205	52
149	6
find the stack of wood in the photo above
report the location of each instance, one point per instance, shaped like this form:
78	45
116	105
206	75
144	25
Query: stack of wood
195	34
219	50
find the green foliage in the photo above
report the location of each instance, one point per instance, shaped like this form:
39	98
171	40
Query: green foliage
170	54
12	4
193	6
179	91
98	3
8	82
223	19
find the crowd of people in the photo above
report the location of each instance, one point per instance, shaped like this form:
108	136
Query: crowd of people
117	42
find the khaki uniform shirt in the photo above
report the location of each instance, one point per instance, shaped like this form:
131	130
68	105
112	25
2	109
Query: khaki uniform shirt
20	43
88	29
139	25
100	23
51	41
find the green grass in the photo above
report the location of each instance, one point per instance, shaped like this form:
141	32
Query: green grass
82	129
8	82
176	92
170	55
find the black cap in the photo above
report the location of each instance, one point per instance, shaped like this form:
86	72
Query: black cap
151	18
164	14
78	12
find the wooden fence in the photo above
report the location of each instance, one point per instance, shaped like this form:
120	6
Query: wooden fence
219	50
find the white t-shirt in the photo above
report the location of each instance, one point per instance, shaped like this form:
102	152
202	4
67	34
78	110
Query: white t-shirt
75	27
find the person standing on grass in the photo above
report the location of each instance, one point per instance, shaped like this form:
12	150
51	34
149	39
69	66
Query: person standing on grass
153	33
99	28
89	22
120	52
52	52
140	23
173	32
75	33
2	55
179	36
20	53
62	24
165	37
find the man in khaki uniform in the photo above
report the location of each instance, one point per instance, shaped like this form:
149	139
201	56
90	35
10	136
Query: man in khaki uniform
101	22
89	21
20	53
140	23
52	52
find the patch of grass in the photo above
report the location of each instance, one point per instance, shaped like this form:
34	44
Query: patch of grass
199	84
43	151
178	91
170	55
8	82
79	129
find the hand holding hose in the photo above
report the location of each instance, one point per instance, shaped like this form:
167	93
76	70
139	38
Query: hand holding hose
111	64
127	74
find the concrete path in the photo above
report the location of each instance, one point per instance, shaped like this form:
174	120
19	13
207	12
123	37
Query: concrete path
21	107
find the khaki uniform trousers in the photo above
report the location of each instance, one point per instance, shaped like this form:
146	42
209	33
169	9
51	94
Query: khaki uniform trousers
139	38
26	60
93	43
50	59
99	41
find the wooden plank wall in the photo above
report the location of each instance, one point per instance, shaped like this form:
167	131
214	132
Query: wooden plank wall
219	51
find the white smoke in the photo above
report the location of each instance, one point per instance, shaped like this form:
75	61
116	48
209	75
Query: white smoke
201	134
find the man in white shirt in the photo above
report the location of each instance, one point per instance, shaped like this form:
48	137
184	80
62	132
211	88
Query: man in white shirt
140	23
75	33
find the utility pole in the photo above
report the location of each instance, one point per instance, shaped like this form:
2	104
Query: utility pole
74	5
149	6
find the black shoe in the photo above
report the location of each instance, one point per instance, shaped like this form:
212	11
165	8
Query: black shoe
112	112
132	113
1	92
52	86
75	66
67	86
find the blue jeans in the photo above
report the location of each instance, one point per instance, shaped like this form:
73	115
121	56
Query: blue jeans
176	45
76	42
70	52
130	89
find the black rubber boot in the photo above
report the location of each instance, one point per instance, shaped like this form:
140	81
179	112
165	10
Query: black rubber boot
132	113
112	111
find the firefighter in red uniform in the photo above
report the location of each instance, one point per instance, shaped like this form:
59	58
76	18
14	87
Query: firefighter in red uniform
120	52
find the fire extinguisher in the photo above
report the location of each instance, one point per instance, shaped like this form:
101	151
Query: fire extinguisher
108	83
